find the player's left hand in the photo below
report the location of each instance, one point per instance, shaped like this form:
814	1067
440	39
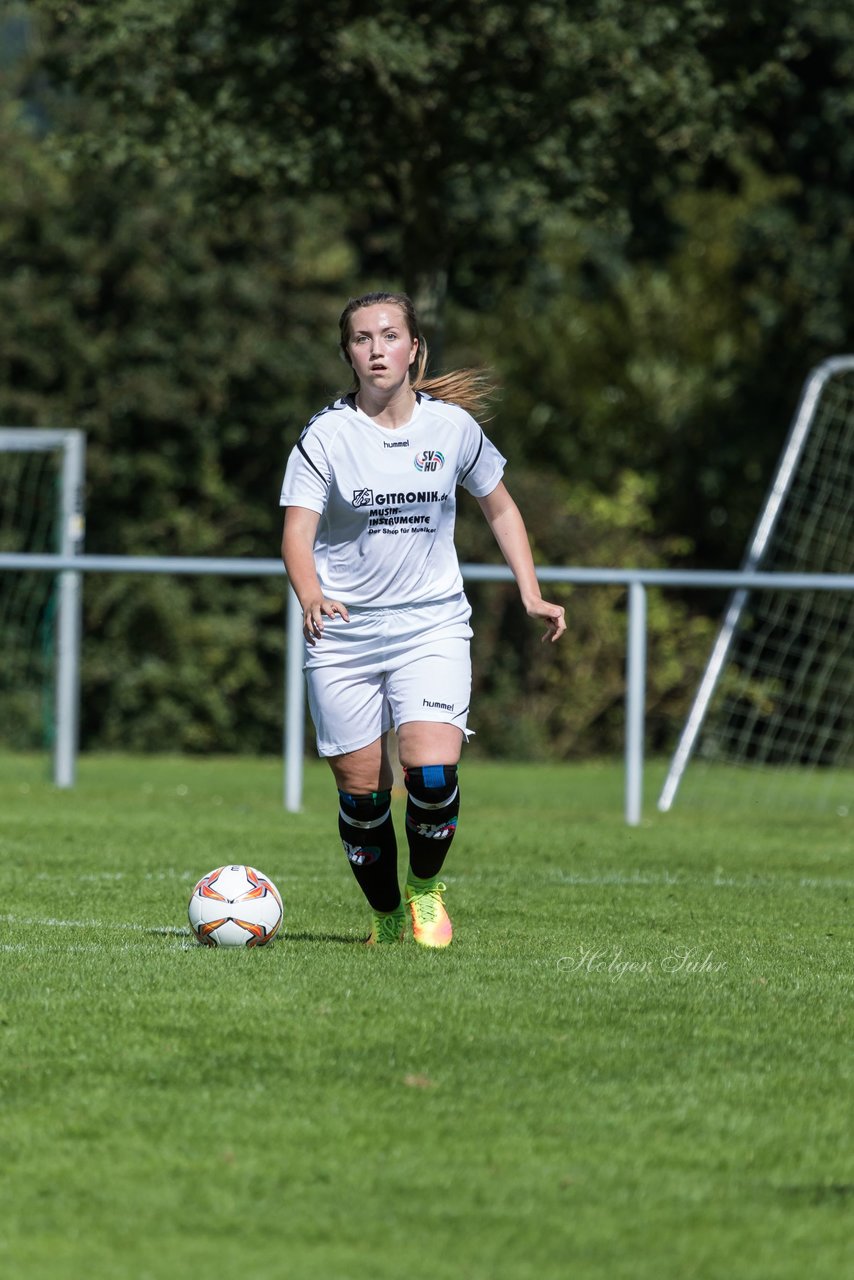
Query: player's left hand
555	616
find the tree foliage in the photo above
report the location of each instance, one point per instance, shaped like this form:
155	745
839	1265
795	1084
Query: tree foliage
186	347
448	128
638	214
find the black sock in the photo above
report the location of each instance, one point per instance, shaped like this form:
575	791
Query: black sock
431	816
367	833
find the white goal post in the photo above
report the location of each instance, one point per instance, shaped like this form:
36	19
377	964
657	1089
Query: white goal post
806	525
71	445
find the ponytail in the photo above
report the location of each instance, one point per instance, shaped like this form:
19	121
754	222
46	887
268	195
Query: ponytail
472	389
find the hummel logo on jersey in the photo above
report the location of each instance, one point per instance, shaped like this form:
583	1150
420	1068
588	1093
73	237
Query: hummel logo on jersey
395	444
363	497
429	460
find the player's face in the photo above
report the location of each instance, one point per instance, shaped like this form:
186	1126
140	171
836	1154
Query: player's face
380	347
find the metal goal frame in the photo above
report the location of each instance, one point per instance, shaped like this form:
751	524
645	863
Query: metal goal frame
71	445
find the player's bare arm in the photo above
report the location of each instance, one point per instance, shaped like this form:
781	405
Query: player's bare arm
298	554
508	529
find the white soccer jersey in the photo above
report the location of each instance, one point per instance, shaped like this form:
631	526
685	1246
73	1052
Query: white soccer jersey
387	499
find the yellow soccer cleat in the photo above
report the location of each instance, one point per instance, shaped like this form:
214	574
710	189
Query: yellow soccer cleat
431	924
388	926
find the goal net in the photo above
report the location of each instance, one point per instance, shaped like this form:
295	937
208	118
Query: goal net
41	480
773	719
29	489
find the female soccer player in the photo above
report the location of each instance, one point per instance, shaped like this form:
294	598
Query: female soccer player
370	497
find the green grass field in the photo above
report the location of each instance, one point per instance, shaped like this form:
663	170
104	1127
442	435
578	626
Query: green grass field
634	1061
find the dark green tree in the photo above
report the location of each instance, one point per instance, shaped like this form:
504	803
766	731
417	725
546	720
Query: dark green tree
446	128
639	213
687	362
187	347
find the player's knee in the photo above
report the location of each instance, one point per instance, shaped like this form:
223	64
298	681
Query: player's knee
434	802
431	785
365	811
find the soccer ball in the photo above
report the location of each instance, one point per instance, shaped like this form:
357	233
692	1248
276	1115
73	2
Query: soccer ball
235	907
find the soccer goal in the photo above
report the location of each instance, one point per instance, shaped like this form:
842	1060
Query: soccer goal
41	510
777	697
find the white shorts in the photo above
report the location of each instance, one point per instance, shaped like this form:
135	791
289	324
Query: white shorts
386	667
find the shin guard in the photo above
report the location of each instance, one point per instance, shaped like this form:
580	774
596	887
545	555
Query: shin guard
367	834
432	806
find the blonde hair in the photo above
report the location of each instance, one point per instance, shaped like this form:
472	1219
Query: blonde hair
472	389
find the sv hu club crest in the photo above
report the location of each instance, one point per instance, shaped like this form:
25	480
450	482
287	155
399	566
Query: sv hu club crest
429	460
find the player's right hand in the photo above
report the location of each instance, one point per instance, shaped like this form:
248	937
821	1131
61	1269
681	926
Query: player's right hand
315	611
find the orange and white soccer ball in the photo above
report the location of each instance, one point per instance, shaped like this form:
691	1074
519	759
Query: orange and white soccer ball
235	906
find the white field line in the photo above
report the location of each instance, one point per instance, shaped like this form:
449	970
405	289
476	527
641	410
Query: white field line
659	879
629	880
89	947
714	881
51	922
109	877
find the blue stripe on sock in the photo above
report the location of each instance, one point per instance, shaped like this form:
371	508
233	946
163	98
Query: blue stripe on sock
433	775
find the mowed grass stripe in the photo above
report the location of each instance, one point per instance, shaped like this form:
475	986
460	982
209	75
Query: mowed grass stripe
634	1061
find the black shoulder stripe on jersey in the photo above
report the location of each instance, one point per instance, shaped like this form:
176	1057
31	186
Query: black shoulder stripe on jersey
468	472
309	461
329	408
